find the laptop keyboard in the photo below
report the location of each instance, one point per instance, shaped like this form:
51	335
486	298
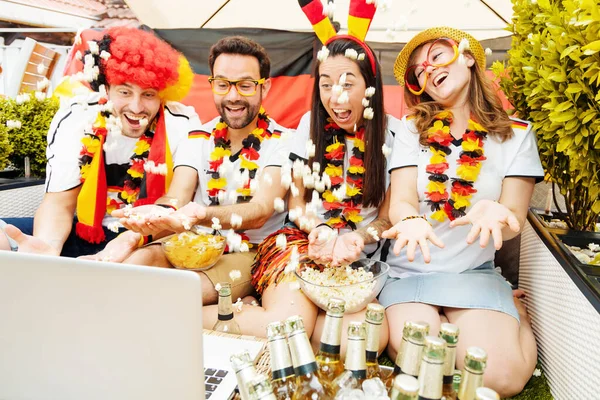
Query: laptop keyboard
212	378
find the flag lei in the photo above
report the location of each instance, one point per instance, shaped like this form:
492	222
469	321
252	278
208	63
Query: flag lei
346	213
453	205
92	142
249	154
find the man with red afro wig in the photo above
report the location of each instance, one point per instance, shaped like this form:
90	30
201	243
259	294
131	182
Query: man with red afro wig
111	147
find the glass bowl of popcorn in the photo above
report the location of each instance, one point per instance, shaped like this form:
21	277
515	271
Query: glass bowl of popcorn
357	283
194	251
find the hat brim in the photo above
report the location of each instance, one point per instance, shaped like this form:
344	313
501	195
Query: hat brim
429	35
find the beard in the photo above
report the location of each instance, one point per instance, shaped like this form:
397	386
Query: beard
250	112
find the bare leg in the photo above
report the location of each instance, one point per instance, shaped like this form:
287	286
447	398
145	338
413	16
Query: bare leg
155	257
511	347
398	314
358	316
278	303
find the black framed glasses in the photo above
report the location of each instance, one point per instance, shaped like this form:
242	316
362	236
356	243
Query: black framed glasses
245	87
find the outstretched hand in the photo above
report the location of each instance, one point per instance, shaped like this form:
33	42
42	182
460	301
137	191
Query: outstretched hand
347	248
30	244
321	242
488	219
411	233
138	219
118	249
181	220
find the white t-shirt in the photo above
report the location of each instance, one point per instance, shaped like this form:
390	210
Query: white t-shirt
196	154
369	213
515	157
68	127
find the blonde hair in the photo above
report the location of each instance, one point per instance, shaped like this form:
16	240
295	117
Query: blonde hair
484	104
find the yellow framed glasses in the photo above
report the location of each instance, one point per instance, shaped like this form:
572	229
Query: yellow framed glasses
442	52
245	87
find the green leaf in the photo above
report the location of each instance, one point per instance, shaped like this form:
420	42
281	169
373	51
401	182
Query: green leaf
591	48
574	88
568	51
563	106
564	143
557	76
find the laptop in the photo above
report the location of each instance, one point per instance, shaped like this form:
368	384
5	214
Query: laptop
75	329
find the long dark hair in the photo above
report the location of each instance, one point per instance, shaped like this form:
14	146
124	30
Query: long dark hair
375	166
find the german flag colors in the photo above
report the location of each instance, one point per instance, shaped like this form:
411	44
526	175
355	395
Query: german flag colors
313	9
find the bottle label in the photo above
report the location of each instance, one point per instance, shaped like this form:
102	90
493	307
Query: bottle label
301	350
305	369
225	317
449	360
373	337
430	379
332	331
328	348
411	358
360	374
280	354
356	355
282	373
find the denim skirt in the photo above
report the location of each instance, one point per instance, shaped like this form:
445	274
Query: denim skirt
479	288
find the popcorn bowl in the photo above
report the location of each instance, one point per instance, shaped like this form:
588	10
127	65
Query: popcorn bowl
363	279
194	251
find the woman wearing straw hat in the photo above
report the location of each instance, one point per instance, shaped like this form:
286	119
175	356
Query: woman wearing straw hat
460	169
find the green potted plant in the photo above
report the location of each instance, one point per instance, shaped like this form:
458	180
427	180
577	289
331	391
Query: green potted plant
552	79
24	124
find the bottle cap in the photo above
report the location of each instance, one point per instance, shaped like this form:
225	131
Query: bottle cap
406	384
449	332
294	323
259	387
276	330
336	307
415	331
435	349
357	330
374	313
224	288
240	361
475	359
483	393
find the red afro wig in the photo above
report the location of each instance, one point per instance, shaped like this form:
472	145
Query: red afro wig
140	58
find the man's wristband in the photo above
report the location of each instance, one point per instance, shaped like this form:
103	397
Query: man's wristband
144	240
324	224
171	206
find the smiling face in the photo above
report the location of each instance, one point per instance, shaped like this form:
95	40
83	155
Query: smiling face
236	110
134	106
449	84
348	114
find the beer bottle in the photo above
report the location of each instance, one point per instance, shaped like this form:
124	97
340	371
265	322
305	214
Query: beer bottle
405	387
472	374
260	388
410	353
484	393
431	374
449	332
282	372
328	358
373	319
356	361
225	321
243	366
308	385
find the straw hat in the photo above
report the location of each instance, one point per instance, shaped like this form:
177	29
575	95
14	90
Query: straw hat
429	35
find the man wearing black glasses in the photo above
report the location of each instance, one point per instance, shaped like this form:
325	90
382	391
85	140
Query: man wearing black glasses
233	165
